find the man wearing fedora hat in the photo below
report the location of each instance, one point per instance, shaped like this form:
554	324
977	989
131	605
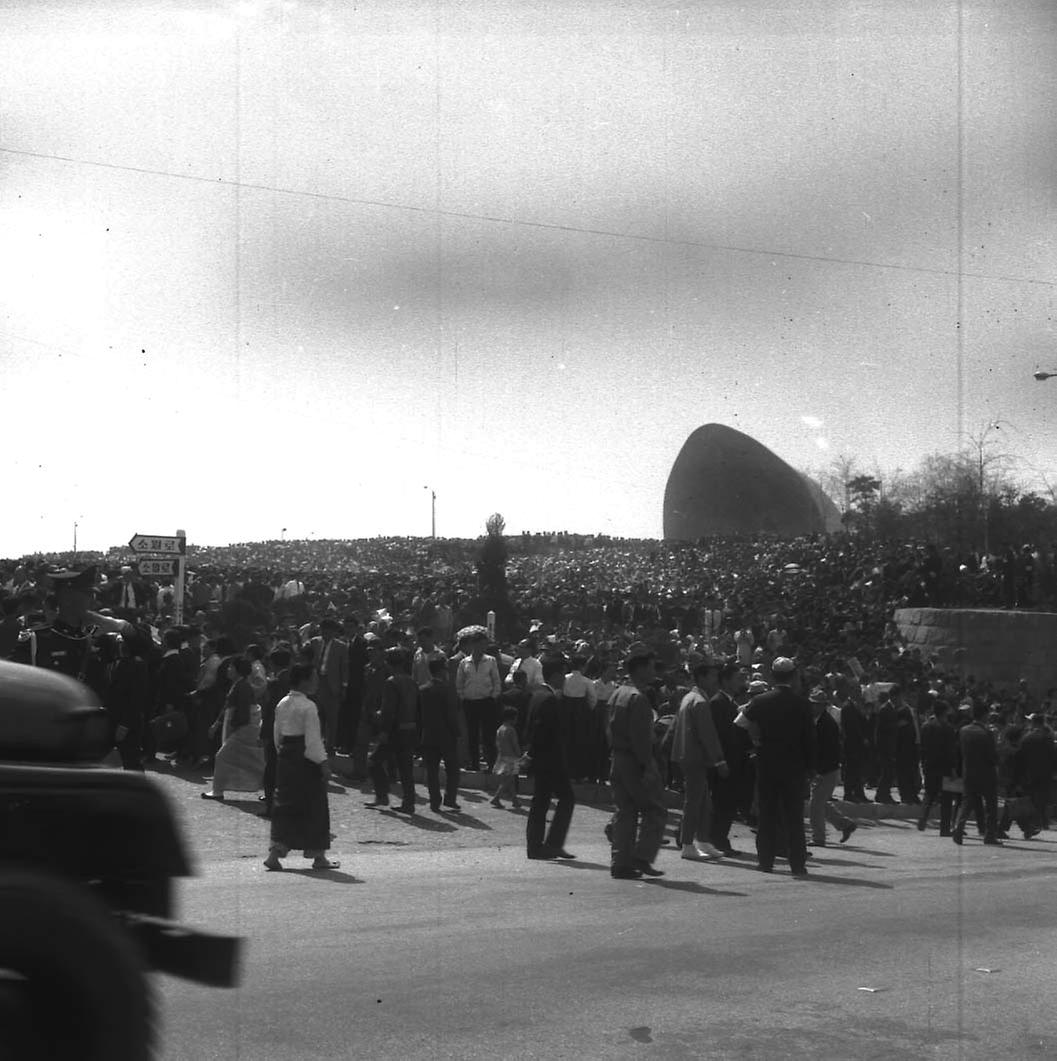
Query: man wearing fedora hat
638	792
785	757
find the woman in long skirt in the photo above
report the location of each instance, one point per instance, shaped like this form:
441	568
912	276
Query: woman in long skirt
239	765
300	813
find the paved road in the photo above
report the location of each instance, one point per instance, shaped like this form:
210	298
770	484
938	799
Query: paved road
438	939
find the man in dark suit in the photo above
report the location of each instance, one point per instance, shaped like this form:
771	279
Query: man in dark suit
785	758
128	592
331	659
547	759
439	740
855	733
349	714
728	792
939	759
887	743
1036	761
979	755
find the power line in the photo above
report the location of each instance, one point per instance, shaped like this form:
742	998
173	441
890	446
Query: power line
549	226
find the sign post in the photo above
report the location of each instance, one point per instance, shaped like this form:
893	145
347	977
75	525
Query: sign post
181	575
165	553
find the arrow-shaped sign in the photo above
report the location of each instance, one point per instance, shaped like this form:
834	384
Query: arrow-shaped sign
158	544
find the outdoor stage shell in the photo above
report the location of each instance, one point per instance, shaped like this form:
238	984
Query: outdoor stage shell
1000	646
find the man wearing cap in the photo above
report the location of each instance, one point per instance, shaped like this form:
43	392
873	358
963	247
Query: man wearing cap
635	777
785	757
375	674
64	643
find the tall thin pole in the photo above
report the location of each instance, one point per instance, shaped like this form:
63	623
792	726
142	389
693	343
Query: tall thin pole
433	509
75	539
178	589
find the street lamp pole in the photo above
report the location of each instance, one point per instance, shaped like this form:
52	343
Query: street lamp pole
75	539
433	512
1040	376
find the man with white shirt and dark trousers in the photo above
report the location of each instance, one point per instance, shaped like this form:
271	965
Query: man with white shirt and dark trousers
478	687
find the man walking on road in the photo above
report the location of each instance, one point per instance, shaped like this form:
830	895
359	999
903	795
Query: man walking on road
441	727
784	759
638	825
547	757
827	741
939	759
696	748
979	777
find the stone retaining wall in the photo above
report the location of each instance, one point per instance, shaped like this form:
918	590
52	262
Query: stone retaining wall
999	646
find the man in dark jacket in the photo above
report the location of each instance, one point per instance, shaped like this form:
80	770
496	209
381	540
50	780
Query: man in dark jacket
439	741
939	759
827	772
733	791
1036	761
887	741
278	687
395	724
546	755
855	731
784	760
979	755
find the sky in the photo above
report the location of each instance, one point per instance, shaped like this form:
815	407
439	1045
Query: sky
291	266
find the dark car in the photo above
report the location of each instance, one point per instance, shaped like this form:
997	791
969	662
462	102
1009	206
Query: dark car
87	861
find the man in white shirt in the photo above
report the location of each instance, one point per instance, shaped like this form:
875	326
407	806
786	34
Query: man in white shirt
478	687
426	652
528	663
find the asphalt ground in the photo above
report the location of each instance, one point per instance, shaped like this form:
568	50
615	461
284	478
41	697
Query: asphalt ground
437	938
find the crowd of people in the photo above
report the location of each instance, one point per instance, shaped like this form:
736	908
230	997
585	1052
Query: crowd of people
614	659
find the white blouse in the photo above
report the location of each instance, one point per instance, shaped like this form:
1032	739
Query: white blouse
297	716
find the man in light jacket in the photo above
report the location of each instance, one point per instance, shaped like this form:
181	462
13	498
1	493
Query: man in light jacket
696	747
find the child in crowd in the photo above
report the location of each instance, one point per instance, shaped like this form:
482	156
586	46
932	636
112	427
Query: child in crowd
508	758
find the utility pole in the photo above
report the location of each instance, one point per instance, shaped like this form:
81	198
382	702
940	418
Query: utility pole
433	512
75	541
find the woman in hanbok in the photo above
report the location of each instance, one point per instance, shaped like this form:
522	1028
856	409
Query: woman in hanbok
239	765
300	813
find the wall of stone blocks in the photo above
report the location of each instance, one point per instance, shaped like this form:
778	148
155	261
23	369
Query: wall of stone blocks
1000	646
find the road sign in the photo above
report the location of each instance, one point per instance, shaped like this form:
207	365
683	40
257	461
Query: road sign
157	567
160	545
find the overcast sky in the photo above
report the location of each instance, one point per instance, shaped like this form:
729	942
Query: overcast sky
272	265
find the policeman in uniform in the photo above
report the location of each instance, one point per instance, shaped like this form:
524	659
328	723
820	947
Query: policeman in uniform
64	642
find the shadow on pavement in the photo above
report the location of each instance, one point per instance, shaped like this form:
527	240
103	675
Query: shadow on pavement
579	863
462	818
869	851
334	875
416	820
852	882
688	886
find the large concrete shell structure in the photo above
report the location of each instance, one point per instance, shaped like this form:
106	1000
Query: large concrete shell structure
725	483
